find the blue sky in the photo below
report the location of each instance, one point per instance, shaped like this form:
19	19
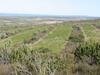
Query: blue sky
51	7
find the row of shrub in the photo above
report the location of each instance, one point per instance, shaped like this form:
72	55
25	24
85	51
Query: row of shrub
88	51
32	62
76	35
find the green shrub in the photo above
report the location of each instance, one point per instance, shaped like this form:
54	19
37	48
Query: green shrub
89	50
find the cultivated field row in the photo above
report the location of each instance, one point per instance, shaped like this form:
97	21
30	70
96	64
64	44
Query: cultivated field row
56	39
20	37
91	32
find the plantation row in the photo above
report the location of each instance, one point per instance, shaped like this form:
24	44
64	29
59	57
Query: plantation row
87	53
22	36
7	31
55	39
91	32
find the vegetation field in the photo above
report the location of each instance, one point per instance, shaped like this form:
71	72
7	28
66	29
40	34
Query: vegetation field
55	39
61	48
20	37
91	31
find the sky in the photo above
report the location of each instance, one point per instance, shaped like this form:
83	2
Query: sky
52	7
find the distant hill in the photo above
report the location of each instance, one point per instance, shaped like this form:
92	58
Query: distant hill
49	16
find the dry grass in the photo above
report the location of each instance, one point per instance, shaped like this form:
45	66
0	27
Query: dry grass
5	69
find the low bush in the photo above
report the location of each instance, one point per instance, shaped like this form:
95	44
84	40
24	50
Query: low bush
88	50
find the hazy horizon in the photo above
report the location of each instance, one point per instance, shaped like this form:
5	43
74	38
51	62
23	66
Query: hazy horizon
30	14
51	7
